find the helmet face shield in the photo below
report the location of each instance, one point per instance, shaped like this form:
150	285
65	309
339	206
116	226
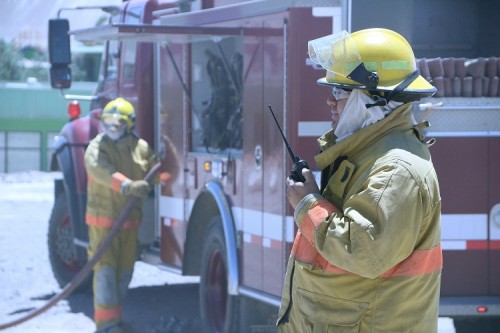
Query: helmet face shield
118	111
113	120
336	53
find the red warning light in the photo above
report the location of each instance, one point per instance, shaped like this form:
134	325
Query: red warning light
74	110
482	309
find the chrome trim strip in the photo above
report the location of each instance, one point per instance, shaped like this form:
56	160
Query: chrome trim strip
260	296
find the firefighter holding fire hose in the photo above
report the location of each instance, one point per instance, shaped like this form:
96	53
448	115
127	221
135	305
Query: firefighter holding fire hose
367	254
116	162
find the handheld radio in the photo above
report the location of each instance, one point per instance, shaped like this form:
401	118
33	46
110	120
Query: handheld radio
298	163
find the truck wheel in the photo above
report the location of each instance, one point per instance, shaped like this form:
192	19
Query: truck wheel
219	310
65	259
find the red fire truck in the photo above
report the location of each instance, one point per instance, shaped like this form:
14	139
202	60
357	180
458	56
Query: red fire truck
201	81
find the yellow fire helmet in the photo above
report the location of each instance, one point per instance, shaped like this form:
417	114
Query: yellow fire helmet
378	60
119	111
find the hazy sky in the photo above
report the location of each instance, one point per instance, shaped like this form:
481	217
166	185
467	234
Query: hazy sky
26	21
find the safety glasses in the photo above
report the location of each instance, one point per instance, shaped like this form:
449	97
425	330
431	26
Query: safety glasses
339	94
113	121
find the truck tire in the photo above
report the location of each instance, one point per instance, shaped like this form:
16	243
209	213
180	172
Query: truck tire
219	310
65	258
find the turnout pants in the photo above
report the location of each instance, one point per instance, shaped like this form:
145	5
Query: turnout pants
112	273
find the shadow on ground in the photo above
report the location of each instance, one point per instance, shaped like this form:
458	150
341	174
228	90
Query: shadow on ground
155	309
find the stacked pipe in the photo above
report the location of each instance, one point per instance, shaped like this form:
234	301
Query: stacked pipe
461	77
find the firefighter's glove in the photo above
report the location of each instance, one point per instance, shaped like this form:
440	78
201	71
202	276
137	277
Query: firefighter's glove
138	188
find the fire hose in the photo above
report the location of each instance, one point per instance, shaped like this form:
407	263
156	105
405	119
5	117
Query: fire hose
73	284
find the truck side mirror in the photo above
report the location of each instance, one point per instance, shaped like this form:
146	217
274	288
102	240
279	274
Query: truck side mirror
59	53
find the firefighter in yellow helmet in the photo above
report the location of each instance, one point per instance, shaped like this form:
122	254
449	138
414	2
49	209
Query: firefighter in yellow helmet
116	162
367	254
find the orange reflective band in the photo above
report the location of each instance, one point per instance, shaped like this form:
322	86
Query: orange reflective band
305	252
106	222
316	214
321	211
108	314
420	262
116	180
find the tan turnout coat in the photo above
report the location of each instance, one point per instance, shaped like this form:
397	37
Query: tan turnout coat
108	165
367	256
